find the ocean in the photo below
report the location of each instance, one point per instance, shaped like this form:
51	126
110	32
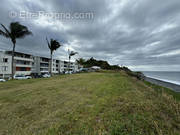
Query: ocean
172	77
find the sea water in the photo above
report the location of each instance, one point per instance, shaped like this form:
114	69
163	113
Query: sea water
167	76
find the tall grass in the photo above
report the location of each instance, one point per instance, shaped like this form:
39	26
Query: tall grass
104	103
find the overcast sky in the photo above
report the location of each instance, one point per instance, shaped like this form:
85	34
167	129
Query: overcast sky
140	34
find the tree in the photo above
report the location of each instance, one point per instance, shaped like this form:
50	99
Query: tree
72	53
100	63
53	46
15	31
81	61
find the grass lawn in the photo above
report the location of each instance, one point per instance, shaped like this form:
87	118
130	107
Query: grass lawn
106	103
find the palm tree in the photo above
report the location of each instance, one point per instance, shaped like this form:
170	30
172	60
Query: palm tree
81	62
72	53
53	46
16	30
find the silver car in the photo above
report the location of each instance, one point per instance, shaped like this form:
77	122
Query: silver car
2	80
20	77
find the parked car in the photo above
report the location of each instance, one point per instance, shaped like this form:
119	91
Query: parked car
84	69
28	77
20	77
2	80
46	75
68	72
36	75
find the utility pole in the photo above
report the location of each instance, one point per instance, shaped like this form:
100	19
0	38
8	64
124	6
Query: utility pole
69	61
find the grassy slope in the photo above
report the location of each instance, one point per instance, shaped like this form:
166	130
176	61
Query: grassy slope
161	89
89	104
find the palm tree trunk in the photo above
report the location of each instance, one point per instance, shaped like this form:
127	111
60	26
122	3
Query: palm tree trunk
69	65
12	62
51	64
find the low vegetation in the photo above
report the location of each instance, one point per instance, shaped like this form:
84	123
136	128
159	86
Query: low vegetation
103	103
101	63
161	89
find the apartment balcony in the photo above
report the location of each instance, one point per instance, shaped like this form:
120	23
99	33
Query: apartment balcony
68	64
23	59
23	65
68	68
44	67
46	62
23	72
44	70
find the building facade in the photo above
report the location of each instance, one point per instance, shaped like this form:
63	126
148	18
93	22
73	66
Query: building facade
22	63
40	65
5	65
26	64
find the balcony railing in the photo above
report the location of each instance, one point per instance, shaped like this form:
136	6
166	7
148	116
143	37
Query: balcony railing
22	65
23	59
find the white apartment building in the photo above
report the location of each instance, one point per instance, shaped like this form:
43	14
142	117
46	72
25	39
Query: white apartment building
5	65
55	66
72	66
59	66
26	64
22	63
40	65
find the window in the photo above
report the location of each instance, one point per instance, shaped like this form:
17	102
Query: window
4	68
5	60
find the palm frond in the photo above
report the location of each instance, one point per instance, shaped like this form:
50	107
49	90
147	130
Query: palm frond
18	30
53	44
72	53
7	33
56	45
4	34
48	43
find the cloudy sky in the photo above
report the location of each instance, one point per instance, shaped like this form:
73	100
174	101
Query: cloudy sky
140	34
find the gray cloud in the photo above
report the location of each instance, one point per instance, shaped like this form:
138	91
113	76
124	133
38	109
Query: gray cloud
141	34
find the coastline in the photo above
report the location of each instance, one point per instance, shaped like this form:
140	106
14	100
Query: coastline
172	86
